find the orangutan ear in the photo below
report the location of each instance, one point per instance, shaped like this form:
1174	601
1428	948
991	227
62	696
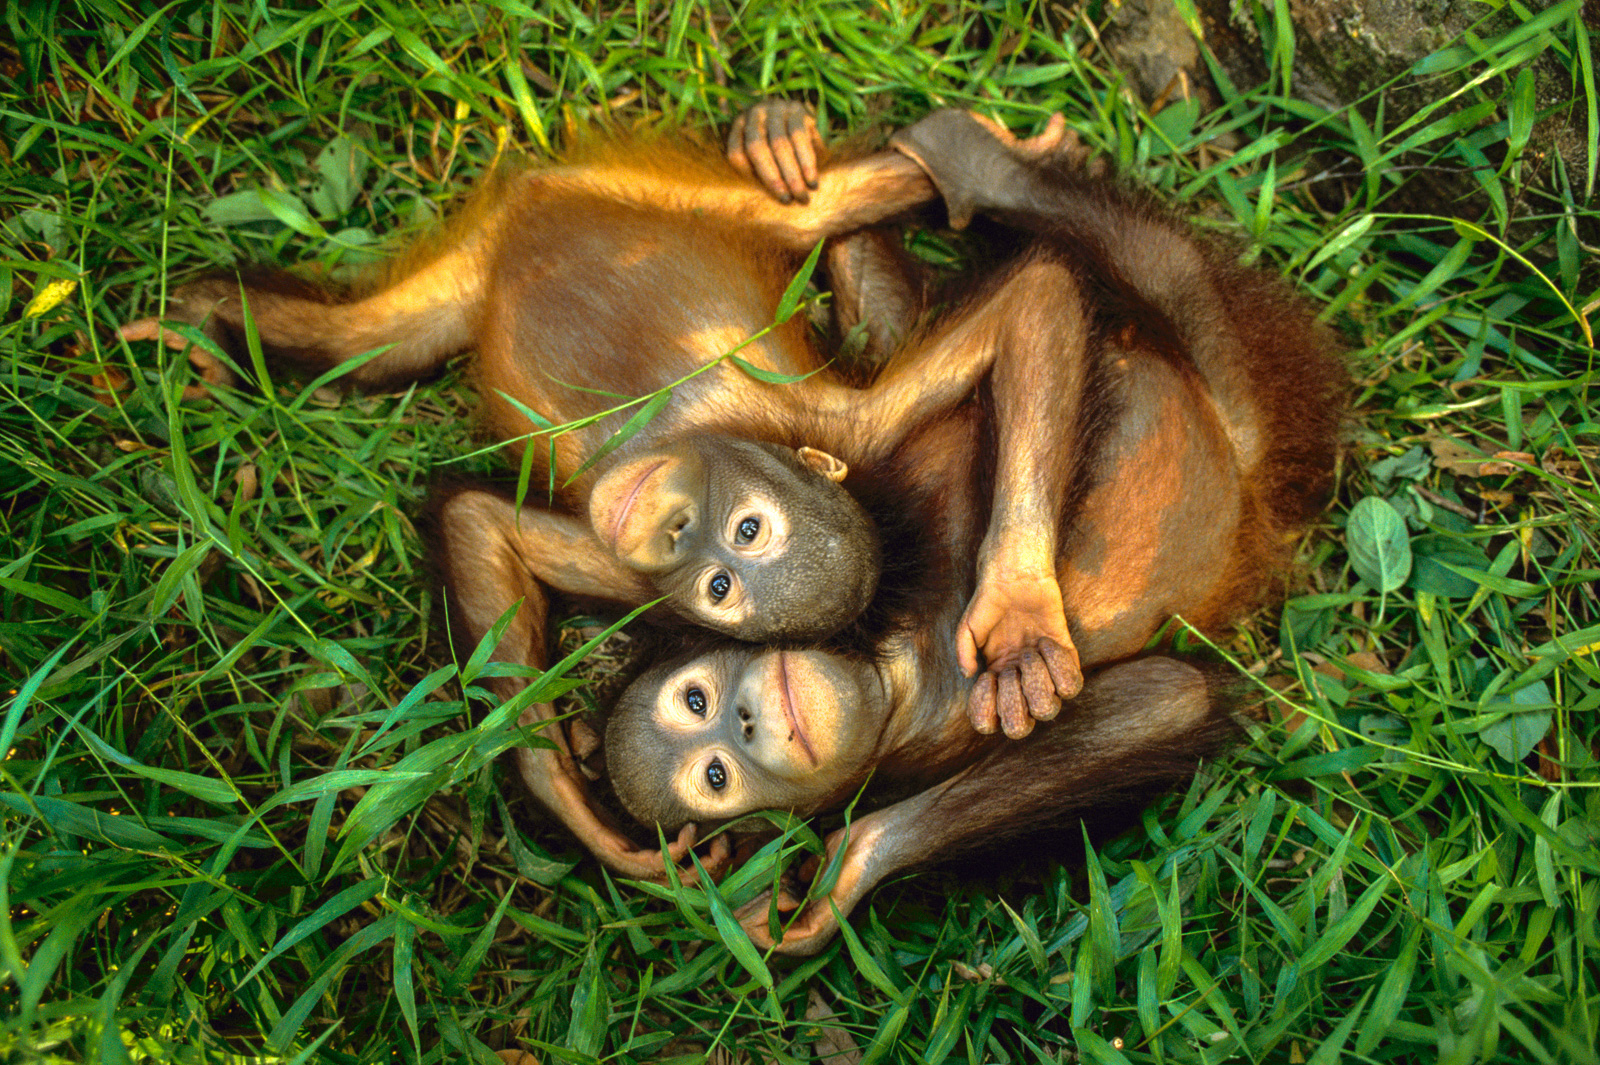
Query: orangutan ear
834	469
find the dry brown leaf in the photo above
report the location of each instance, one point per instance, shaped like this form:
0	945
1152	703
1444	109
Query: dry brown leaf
248	481
1464	460
1504	464
516	1057
1454	456
1323	666
984	971
1549	761
1368	661
834	1045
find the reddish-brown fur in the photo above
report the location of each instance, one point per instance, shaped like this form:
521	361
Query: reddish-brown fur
1166	388
1201	404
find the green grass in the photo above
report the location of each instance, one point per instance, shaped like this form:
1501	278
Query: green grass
246	815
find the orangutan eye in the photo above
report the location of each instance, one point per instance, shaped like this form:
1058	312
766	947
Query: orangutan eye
749	528
719	586
696	700
717	774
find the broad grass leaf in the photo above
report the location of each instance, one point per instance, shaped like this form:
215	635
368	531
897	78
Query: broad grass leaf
332	967
1146	994
943	1039
533	416
343	167
547	931
771	377
238	208
1514	736
1391	994
1176	121
1342	240
640	419
887	1037
1523	108
71	819
1340	932
531	860
790	301
756	874
68	921
486	646
1366	146
1585	54
1380	547
1028	77
689	900
865	963
1283	45
24	695
472	960
1030	937
733	936
1104	936
348	366
1433	561
1544	866
1170	958
1082	986
288	209
206	789
171	584
1317	765
1509	586
591	1006
1445	270
405	989
402	788
423	688
1093	1047
332	910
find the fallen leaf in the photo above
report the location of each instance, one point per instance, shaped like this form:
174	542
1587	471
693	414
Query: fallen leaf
834	1045
1504	464
1454	456
516	1057
1368	661
984	971
247	480
1549	761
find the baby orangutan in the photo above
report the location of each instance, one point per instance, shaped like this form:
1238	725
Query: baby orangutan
1201	405
626	269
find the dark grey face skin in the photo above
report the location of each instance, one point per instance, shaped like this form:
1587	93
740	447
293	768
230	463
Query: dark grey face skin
744	538
740	729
